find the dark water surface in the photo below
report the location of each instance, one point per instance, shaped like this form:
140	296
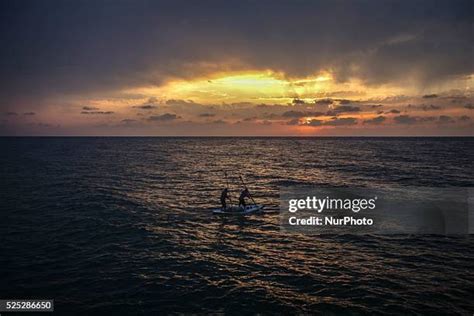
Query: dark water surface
123	225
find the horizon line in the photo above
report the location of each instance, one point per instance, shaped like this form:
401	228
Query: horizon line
237	136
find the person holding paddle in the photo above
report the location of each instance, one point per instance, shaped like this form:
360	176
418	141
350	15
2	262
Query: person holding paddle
224	196
244	194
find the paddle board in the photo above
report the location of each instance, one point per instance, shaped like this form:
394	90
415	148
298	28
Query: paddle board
236	210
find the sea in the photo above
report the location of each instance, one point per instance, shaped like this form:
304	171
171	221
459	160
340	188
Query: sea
124	226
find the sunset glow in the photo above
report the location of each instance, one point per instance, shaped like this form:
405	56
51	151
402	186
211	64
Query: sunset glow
169	71
261	87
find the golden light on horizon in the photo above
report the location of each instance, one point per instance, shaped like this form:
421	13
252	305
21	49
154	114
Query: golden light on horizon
263	87
250	86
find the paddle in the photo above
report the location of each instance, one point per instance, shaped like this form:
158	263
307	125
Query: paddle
243	183
227	181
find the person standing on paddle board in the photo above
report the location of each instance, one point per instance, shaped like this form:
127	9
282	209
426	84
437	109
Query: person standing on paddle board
224	196
245	194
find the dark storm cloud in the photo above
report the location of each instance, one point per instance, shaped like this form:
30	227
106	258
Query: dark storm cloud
464	118
393	111
430	96
29	113
163	117
469	106
52	47
89	108
10	114
375	120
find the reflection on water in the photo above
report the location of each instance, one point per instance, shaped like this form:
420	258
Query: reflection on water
124	225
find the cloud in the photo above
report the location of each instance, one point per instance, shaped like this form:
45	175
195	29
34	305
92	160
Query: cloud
333	122
207	115
10	114
445	119
249	119
375	120
89	108
430	107
430	96
456	98
341	121
67	54
412	43
128	121
393	111
343	109
426	119
150	104
145	107
464	118
163	117
295	121
405	119
177	102
469	106
324	101
314	123
97	112
298	102
345	101
29	113
300	114
219	122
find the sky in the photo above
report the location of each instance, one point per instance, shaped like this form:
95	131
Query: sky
237	68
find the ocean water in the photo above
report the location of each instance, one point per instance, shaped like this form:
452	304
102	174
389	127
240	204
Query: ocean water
123	226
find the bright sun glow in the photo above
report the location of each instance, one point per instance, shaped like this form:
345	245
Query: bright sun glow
257	87
233	88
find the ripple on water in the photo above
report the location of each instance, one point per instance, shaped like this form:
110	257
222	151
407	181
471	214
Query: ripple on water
123	225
